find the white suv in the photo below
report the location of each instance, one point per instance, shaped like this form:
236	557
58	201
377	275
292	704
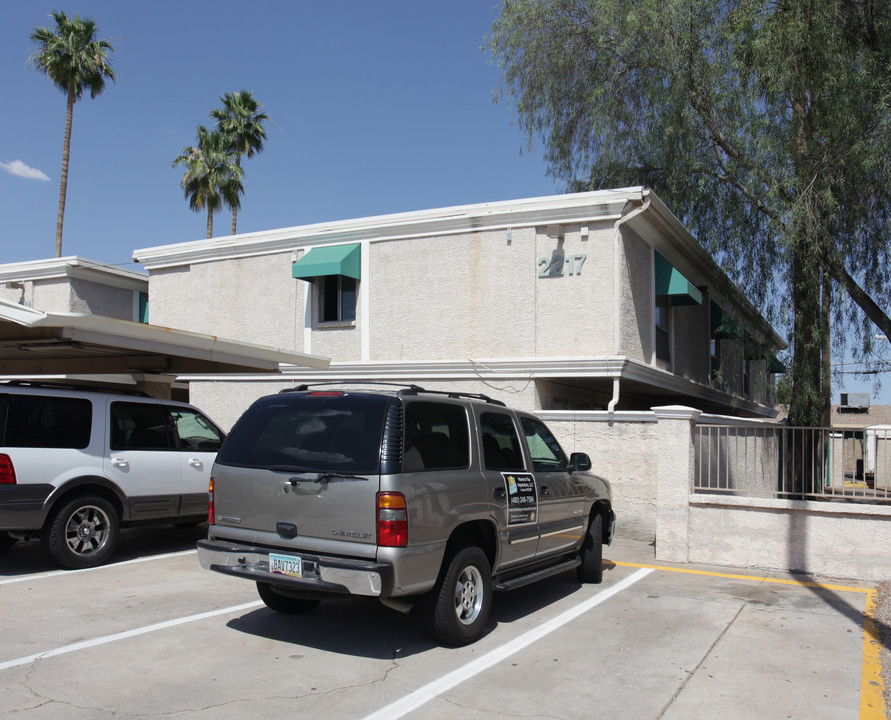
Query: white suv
76	464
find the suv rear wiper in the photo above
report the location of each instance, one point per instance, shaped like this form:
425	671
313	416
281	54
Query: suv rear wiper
325	477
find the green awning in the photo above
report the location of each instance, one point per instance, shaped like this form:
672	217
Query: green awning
329	260
670	282
722	325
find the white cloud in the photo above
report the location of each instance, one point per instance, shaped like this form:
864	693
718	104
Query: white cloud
17	167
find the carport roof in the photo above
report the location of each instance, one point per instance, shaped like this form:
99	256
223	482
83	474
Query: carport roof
33	342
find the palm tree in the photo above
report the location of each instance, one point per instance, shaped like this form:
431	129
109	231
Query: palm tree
241	121
211	177
75	61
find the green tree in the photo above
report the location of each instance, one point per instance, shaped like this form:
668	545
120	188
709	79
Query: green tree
241	120
211	176
765	123
71	56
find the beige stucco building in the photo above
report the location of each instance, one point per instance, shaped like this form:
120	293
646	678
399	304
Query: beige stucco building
75	284
589	301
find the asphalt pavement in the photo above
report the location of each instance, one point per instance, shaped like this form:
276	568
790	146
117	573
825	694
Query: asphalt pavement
155	636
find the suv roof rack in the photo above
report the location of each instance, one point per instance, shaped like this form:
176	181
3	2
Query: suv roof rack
72	386
306	386
406	389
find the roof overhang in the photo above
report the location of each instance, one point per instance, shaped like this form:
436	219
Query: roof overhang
42	343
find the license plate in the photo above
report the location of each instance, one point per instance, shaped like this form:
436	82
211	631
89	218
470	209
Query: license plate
286	565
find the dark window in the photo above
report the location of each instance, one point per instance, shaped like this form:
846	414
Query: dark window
41	421
140	426
309	433
337	298
663	336
436	437
194	431
501	446
543	447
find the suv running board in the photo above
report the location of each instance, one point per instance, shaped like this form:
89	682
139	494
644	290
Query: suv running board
535	575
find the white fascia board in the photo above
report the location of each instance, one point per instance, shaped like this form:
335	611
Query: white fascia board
74	266
605	205
609	367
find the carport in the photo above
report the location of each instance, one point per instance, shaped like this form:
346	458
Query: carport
36	344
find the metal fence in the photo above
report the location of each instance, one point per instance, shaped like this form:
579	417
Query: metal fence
777	461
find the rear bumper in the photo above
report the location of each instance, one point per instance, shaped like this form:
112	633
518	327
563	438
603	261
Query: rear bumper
321	574
22	506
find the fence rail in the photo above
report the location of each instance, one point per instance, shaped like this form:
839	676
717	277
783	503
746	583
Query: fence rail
845	464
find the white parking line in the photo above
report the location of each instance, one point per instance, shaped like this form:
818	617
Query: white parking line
425	694
56	573
124	635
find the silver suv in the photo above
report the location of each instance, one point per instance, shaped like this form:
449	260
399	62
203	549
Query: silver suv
76	464
421	499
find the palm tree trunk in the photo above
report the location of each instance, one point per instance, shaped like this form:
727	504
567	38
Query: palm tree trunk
235	209
63	183
209	221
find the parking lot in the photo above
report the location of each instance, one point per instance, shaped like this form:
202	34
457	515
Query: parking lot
154	635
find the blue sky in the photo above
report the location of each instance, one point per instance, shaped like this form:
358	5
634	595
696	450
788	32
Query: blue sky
379	107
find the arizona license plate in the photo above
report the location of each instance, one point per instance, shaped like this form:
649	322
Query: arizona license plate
286	565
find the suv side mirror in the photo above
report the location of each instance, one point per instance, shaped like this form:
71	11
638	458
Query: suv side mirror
579	461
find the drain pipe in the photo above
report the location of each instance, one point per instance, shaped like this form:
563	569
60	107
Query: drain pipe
617	293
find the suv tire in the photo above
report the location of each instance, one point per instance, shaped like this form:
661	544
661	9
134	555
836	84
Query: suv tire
591	569
82	533
284	603
457	608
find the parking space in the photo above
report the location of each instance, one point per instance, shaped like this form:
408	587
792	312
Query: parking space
155	635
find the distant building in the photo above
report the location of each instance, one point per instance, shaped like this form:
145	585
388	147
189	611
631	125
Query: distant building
75	284
589	301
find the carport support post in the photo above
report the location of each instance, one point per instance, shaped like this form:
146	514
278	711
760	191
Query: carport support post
674	447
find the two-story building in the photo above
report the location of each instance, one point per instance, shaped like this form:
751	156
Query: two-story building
589	301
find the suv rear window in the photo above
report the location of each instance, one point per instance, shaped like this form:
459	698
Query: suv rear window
44	421
309	433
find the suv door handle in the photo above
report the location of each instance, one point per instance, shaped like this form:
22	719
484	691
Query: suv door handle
499	493
119	462
195	462
544	490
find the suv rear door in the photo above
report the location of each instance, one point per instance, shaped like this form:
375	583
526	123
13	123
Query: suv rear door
141	457
511	486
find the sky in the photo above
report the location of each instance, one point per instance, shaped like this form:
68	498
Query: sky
377	107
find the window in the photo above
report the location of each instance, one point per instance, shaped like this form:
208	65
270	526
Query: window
546	453
501	446
316	432
194	431
663	336
337	298
41	421
715	356
140	426
436	437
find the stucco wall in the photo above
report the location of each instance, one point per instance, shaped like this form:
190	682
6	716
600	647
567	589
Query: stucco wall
252	299
637	299
623	452
90	297
847	541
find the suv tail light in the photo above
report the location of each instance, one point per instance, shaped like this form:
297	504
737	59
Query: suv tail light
7	470
392	520
211	515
